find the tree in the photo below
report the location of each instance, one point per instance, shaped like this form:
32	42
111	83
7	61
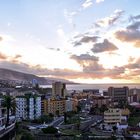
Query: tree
10	105
65	117
78	108
27	136
57	113
114	128
103	108
50	130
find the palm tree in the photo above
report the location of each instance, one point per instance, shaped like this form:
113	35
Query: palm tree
9	104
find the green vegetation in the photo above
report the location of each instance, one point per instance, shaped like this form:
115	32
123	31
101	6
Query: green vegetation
50	130
44	118
98	110
27	136
133	121
10	105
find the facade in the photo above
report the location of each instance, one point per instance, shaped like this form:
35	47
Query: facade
59	106
100	100
28	106
58	89
125	112
118	94
112	116
54	106
71	105
2	114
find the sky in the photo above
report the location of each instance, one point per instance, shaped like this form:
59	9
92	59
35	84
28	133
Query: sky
85	41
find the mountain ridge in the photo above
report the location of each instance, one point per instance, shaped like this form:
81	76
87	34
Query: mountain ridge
8	74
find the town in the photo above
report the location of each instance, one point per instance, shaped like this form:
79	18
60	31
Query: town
28	111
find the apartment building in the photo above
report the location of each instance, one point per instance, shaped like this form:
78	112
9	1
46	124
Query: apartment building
59	106
118	94
54	106
112	116
59	89
28	106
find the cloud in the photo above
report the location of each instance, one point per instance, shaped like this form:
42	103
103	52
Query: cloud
85	57
99	1
103	47
84	39
69	15
1	38
133	18
3	56
131	34
87	4
112	19
91	69
18	56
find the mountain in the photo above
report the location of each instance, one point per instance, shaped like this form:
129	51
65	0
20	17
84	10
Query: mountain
6	74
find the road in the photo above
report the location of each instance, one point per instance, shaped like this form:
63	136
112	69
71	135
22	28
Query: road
57	121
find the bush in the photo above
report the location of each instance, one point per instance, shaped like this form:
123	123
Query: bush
50	130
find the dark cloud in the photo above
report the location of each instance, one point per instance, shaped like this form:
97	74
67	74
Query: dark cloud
18	56
130	34
85	39
84	57
134	26
133	18
103	47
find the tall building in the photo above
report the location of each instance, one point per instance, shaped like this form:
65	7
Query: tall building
118	94
28	106
59	89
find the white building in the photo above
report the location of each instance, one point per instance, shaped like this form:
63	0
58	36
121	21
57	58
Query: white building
69	105
28	107
112	115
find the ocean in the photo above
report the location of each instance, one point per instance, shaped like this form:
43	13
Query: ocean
94	86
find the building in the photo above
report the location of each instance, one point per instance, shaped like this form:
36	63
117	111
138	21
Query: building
28	106
58	89
100	100
112	116
133	130
54	106
118	94
2	114
71	104
59	106
125	112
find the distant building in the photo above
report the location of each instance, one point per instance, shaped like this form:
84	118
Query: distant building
93	91
58	89
28	106
100	100
118	94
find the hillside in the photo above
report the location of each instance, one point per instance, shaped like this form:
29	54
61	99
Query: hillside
6	74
